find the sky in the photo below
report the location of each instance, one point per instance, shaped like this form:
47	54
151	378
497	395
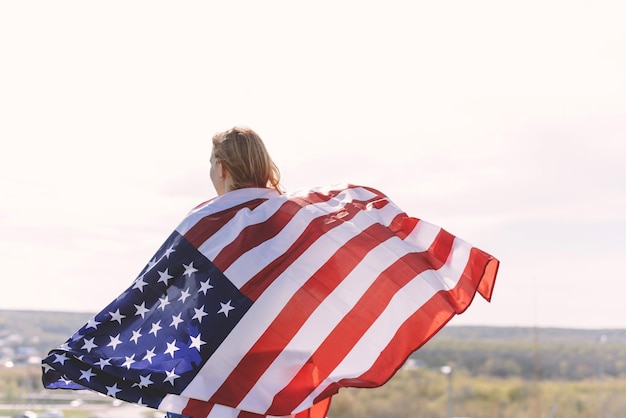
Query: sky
502	122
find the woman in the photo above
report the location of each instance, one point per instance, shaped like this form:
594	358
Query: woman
263	303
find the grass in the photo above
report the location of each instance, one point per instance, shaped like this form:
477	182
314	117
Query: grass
423	393
419	392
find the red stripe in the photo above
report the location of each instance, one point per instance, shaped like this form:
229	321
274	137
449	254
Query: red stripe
197	408
210	224
422	325
295	313
254	287
319	410
352	327
489	266
402	226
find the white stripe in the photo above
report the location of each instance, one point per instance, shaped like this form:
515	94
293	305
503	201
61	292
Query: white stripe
221	411
173	403
324	190
257	258
268	306
423	235
404	304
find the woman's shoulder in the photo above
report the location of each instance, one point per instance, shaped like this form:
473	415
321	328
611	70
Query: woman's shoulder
235	198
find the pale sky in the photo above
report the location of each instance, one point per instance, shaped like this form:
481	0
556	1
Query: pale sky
502	122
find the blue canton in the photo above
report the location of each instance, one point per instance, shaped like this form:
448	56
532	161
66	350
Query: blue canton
148	342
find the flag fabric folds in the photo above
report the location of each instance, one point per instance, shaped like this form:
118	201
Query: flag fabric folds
266	304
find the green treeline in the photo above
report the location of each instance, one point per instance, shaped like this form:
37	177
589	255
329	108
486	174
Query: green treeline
527	353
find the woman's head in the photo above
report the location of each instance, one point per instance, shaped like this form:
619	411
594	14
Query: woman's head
240	159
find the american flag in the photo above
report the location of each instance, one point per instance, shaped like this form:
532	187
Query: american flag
266	304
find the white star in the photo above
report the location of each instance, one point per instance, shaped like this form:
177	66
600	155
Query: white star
164	302
65	380
164	276
60	358
89	345
65	346
112	390
139	284
136	335
196	342
103	362
199	314
141	309
184	295
156	326
46	367
117	316
225	308
204	286
176	320
189	269
171	376
129	360
86	374
149	355
114	341
169	251
92	323
140	401
144	381
171	348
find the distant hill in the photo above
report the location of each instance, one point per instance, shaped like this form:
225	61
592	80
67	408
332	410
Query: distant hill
548	353
552	353
38	330
562	335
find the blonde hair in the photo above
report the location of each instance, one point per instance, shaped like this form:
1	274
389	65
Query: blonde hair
242	152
